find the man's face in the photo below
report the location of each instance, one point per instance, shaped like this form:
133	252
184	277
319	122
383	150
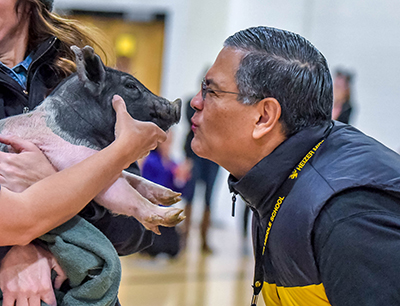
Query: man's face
222	125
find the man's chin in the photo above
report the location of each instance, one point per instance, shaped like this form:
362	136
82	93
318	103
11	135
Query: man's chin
197	148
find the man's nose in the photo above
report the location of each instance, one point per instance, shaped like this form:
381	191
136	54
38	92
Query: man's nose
197	102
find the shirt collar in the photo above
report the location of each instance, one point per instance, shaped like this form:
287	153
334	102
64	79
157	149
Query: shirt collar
20	71
264	179
24	64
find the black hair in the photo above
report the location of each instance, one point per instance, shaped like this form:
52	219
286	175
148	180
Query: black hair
287	67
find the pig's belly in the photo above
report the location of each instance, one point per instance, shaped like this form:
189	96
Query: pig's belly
63	154
60	153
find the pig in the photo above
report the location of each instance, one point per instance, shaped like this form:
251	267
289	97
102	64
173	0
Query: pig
77	119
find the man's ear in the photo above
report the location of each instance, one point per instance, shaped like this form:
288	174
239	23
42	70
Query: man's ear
269	111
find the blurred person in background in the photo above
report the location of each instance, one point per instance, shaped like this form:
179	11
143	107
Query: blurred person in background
159	168
342	95
325	197
35	56
203	171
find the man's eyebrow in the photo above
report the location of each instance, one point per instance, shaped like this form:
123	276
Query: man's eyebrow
211	82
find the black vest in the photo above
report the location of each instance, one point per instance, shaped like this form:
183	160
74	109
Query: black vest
346	159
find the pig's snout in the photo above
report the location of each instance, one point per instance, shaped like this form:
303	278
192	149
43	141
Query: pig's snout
167	113
177	105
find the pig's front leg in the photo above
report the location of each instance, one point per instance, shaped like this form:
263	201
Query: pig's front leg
155	193
122	198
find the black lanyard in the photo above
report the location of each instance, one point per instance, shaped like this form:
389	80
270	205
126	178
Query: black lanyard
278	199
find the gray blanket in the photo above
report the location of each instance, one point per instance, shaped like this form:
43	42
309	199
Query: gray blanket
90	262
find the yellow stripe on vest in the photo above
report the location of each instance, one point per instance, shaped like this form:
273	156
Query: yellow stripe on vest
312	295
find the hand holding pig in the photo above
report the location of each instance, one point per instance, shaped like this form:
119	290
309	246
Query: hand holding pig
136	135
24	166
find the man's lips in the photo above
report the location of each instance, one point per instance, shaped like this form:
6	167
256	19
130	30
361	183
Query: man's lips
194	126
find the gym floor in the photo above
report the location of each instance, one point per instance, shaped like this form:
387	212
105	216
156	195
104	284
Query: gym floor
193	279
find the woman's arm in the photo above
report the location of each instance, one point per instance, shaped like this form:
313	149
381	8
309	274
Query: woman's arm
55	199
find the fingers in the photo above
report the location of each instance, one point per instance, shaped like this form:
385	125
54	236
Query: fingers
135	136
24	165
118	104
23	302
8	300
48	297
124	120
61	276
34	300
23	298
162	136
18	144
25	276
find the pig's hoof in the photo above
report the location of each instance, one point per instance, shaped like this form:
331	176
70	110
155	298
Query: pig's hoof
166	198
173	217
167	216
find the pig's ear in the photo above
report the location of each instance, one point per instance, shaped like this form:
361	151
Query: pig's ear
90	69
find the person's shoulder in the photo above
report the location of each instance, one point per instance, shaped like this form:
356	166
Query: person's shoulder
360	200
355	204
354	243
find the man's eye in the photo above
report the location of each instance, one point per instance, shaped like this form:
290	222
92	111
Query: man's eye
211	92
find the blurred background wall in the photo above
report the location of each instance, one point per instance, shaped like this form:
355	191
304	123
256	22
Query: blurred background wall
171	42
361	35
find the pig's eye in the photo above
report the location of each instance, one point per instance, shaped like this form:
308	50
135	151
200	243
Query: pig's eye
130	86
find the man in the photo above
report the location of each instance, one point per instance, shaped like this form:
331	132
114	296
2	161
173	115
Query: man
325	197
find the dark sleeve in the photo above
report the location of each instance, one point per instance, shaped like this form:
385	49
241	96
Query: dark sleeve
126	233
357	248
3	251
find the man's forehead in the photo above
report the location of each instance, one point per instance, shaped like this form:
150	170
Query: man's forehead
224	69
219	80
229	56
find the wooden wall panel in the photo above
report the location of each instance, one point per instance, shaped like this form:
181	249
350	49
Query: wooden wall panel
144	60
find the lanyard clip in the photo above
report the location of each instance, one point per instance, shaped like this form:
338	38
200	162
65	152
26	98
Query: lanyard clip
233	204
254	300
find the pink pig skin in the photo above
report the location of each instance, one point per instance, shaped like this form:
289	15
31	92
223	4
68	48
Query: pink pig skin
120	197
